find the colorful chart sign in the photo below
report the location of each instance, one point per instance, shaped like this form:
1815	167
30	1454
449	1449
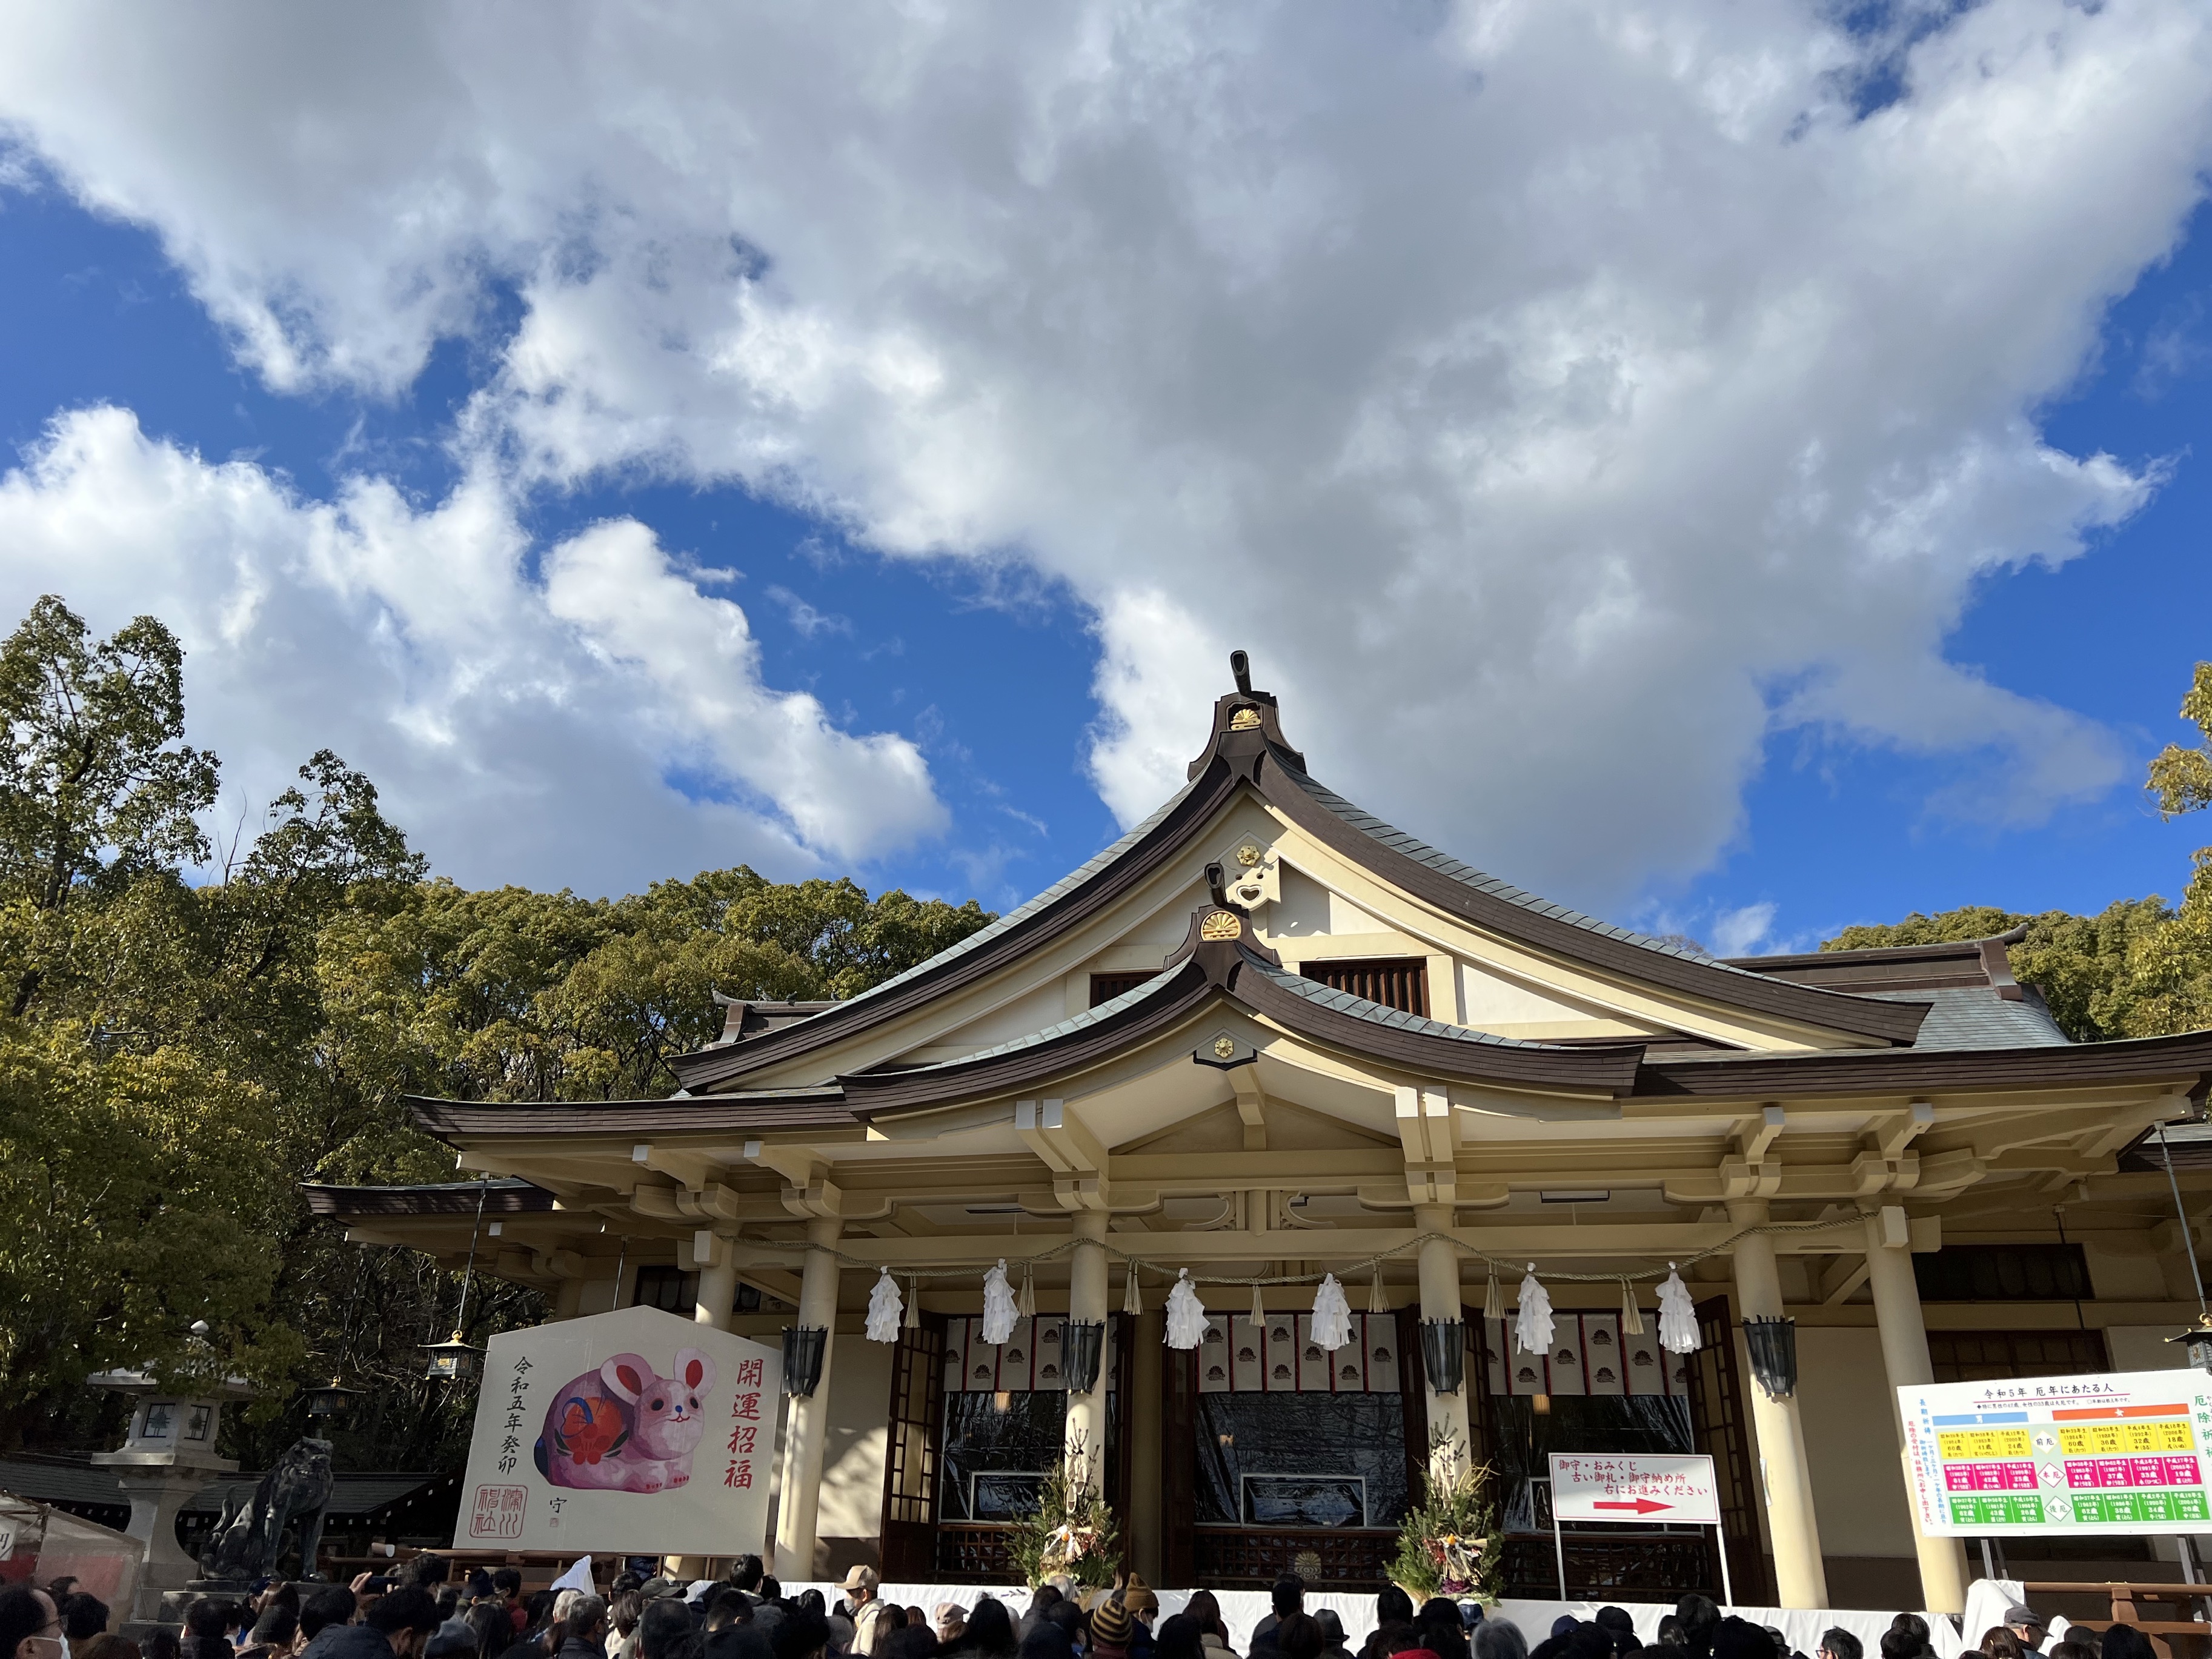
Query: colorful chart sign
2125	1453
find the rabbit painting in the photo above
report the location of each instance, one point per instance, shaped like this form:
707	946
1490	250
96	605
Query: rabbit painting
624	1427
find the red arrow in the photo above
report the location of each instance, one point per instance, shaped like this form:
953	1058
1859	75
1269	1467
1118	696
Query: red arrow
1641	1505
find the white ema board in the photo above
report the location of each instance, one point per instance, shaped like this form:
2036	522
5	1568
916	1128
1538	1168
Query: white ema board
632	1432
2056	1455
1602	1487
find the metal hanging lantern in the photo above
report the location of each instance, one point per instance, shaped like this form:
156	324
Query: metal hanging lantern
2196	1344
1443	1353
453	1360
1773	1346
332	1400
804	1347
1083	1344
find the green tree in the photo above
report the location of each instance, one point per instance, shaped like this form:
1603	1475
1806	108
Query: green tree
189	1035
97	785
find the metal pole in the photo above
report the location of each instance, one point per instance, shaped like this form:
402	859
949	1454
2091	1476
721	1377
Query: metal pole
2181	1215
1988	1566
461	1313
1720	1542
1559	1549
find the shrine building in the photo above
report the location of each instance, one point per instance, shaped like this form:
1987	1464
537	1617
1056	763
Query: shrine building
1265	1036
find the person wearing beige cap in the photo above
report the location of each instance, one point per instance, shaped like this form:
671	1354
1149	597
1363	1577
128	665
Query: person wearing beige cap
1144	1608
860	1588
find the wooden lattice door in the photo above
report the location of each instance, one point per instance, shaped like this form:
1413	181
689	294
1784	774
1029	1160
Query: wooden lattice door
911	1459
1718	1411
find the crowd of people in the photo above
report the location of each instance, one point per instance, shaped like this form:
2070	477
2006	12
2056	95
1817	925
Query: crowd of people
425	1613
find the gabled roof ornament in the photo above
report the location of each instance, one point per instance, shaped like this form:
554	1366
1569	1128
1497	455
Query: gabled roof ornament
1246	727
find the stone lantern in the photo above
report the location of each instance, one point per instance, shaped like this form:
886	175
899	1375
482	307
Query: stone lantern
167	1457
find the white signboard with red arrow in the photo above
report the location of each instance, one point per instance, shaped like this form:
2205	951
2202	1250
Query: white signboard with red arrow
1612	1487
1609	1486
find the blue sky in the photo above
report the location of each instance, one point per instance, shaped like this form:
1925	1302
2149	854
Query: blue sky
1807	535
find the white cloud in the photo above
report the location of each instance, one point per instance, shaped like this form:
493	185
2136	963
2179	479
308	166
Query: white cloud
1740	931
519	731
1556	399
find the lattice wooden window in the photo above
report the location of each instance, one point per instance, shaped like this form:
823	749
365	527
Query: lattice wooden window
1983	1356
1400	982
1104	987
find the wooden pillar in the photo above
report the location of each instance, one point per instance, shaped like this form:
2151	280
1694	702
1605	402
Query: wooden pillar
1905	1357
1085	1431
1147	1411
807	1435
1799	1576
1440	1299
716	1263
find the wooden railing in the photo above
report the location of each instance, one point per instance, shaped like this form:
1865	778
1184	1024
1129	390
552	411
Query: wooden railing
975	1552
1650	1567
1254	1557
2170	1639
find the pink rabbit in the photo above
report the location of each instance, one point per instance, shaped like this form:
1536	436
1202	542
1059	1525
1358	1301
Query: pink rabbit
626	1428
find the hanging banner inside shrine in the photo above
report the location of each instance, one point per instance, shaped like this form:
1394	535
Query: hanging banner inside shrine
1588	1355
634	1431
2045	1455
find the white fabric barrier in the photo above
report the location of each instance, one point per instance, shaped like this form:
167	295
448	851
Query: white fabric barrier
1242	1610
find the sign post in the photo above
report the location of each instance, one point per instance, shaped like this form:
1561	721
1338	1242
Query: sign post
1610	1488
630	1432
2060	1456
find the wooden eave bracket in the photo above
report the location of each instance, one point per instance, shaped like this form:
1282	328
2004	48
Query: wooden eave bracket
1429	1135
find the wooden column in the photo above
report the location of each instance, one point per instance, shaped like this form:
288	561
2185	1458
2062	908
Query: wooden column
717	1267
1801	1577
1905	1357
1085	1432
1439	1268
807	1435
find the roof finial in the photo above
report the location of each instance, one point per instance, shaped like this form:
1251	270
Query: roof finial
1241	665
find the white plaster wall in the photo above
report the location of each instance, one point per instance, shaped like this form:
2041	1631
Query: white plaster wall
1485	997
852	1462
1858	1484
1307	909
1046	1005
2144	1348
2124	1275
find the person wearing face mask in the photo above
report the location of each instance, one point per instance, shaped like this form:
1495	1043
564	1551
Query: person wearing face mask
30	1625
396	1627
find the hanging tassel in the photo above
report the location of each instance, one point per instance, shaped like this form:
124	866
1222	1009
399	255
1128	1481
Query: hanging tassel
998	1305
1132	1303
1376	1301
1532	1328
1632	1316
883	1308
1494	1298
1028	1303
1677	1315
912	1304
1332	1315
1258	1309
1185	1312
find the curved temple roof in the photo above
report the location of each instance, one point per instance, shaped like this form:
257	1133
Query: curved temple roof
1244	754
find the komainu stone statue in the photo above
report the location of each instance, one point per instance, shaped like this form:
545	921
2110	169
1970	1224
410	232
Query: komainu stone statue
249	1535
